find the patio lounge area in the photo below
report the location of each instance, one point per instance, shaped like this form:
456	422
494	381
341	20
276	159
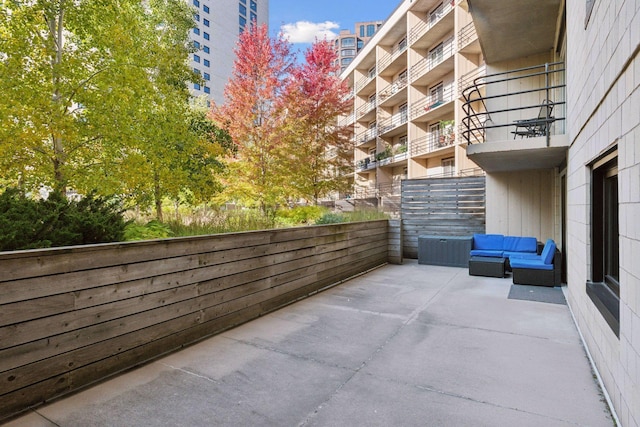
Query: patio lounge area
400	345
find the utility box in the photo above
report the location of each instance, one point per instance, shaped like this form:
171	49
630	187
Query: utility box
450	251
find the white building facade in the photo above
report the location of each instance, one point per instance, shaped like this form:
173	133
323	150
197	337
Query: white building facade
219	23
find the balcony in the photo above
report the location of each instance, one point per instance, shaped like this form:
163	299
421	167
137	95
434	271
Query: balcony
434	26
366	84
515	120
396	53
433	141
434	105
435	65
387	347
392	156
393	93
345	121
366	136
392	125
366	164
366	112
468	39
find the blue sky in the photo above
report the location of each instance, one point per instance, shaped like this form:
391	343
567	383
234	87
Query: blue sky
304	20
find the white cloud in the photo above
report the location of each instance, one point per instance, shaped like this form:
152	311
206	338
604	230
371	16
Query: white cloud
308	32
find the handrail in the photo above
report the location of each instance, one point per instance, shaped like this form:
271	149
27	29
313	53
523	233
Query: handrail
466	35
431	20
394	87
480	117
366	136
366	107
428	63
387	59
431	102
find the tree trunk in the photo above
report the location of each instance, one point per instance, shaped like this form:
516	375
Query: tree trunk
157	195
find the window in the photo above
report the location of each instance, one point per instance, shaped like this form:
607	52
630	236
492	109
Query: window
206	49
196	17
243	1
196	31
437	95
254	17
205	8
243	21
346	61
196	44
196	86
207	89
435	54
403	111
604	288
243	10
436	13
195	70
348	42
372	72
206	35
371	29
361	30
205	22
254	6
196	58
207	76
448	166
206	63
360	44
348	52
402	44
196	3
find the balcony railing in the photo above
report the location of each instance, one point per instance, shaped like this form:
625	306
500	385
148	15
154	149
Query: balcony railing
367	163
540	101
346	120
366	136
432	60
392	122
388	58
363	82
396	86
432	101
466	35
392	155
365	108
467	79
431	142
430	20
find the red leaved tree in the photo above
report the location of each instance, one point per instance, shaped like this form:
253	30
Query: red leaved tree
252	117
320	153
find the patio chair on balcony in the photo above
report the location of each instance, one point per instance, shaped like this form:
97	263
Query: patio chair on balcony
538	126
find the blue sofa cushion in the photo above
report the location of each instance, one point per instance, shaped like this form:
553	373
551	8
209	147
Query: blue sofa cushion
526	255
520	244
488	241
486	252
548	252
533	264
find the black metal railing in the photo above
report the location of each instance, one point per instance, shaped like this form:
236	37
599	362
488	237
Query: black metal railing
539	96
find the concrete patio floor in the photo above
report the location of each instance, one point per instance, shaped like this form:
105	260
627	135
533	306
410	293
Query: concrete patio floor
403	345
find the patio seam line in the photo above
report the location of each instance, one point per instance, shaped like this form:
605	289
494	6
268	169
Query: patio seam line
35	411
470	399
410	319
186	371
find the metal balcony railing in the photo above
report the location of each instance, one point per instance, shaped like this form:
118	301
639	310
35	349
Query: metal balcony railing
430	20
431	142
394	87
363	82
366	107
466	35
346	120
467	79
540	100
367	163
366	136
434	58
432	101
388	58
392	122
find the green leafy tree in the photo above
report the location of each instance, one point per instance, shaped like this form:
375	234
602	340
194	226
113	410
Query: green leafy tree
253	116
80	83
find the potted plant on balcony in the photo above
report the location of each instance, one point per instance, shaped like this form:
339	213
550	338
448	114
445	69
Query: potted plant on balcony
447	133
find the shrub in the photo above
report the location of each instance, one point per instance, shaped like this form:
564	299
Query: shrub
301	214
56	221
152	230
331	218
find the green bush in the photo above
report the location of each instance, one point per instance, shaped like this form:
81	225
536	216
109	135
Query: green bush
151	230
300	214
56	221
331	218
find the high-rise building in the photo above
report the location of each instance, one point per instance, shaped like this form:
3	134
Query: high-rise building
218	24
407	99
348	44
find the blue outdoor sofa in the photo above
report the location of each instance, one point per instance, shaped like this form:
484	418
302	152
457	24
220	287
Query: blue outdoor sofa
541	270
500	246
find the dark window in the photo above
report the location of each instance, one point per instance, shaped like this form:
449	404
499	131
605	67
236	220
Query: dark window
207	76
254	6
360	44
206	36
362	31
206	63
196	31
206	49
207	89
371	29
604	288
205	8
348	42
254	18
205	22
243	21
196	3
243	10
196	58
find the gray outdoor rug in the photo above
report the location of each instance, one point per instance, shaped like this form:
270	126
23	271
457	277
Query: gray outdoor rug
537	293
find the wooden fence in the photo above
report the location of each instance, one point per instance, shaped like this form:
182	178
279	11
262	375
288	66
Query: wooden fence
441	207
73	316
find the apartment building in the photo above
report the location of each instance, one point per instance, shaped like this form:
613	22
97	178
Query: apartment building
407	99
218	24
555	124
348	43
